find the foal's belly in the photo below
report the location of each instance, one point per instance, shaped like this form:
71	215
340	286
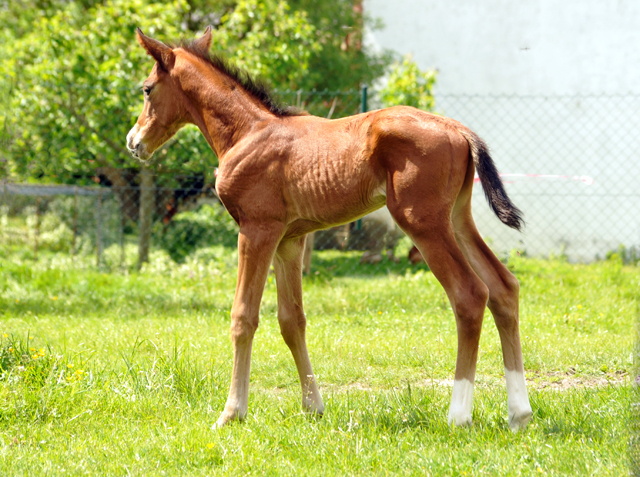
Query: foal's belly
331	207
331	177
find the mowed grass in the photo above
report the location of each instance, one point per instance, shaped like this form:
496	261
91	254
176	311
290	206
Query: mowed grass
125	373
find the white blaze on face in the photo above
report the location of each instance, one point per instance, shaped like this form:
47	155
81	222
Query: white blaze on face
135	144
461	401
132	138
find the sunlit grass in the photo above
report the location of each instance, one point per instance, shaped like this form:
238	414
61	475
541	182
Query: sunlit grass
124	373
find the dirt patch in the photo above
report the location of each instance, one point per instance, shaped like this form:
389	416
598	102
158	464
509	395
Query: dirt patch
558	381
565	381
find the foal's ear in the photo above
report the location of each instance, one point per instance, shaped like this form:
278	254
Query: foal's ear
158	50
204	42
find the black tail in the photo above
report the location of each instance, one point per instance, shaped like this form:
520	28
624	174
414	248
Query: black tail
492	185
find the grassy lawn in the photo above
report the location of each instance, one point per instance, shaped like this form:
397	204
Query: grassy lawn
124	373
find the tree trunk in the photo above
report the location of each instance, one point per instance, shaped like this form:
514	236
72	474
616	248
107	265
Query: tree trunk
147	199
122	184
99	229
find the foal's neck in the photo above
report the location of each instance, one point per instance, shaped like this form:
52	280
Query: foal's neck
223	110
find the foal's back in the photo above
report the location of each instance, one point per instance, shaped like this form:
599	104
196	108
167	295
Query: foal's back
333	171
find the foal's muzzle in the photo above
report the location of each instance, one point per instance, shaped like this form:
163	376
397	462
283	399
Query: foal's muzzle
135	146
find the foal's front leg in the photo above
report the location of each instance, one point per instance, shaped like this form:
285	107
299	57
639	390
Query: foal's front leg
256	246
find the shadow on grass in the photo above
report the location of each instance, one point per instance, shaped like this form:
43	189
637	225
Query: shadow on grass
61	288
378	411
582	412
327	264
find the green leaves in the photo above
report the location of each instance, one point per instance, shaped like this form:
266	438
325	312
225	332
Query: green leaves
409	86
75	79
71	71
344	62
269	40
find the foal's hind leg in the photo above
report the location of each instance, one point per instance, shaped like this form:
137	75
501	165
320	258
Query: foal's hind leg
288	266
503	303
433	235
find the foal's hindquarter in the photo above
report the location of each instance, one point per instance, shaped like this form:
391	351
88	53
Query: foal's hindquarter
330	172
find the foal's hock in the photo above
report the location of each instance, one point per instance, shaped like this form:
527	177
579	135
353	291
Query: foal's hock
283	174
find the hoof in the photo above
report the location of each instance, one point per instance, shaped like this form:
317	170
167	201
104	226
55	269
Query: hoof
311	399
313	409
519	420
460	420
226	417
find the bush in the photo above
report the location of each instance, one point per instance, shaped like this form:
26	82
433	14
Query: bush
628	256
188	231
81	212
408	85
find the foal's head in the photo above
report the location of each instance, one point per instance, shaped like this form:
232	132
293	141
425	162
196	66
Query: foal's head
165	108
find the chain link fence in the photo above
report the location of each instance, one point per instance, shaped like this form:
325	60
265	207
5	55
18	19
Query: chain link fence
634	421
101	226
568	162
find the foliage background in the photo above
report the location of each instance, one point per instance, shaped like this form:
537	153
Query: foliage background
71	71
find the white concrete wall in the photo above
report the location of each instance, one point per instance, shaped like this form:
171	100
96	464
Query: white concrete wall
544	83
525	47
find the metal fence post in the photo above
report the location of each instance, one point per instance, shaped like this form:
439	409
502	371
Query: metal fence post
3	209
147	193
122	249
299	99
37	231
75	221
364	107
99	229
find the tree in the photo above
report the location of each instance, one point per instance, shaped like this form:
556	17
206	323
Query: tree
345	61
72	90
268	40
72	79
75	76
72	72
71	76
410	86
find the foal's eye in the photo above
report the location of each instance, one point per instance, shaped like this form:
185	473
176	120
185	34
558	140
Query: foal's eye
146	90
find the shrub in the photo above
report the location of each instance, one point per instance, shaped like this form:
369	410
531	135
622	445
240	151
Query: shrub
188	231
628	255
410	86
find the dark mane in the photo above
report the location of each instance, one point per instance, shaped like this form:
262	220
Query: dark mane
255	87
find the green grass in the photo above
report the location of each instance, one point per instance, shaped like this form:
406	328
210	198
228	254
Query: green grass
125	373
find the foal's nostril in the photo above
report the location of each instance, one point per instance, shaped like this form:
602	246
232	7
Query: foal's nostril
133	148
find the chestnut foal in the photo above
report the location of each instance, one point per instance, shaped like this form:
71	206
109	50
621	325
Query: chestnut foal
284	174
